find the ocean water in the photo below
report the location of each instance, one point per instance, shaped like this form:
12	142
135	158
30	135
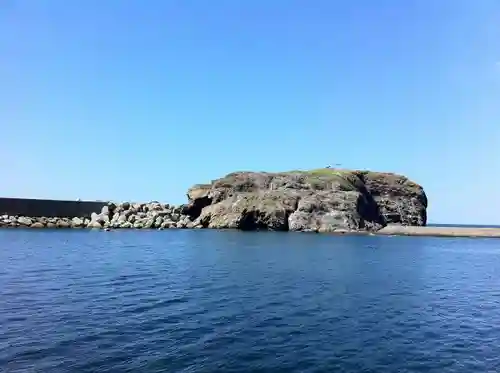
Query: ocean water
226	301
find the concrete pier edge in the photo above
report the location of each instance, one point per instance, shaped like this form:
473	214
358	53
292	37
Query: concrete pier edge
448	231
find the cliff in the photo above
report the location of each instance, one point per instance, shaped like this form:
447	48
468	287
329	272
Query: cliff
323	200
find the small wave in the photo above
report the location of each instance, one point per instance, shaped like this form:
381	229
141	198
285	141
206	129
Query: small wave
146	306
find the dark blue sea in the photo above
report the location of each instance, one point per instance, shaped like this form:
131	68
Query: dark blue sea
227	301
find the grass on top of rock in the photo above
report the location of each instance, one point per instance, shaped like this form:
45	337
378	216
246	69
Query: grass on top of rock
346	179
322	172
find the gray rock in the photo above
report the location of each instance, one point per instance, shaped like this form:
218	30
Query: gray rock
23	220
77	222
63	224
158	222
138	207
152	214
94	224
126	225
99	218
166	224
128	213
165	212
149	223
37	225
155	206
111	207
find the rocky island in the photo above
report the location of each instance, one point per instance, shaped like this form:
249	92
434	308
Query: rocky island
321	200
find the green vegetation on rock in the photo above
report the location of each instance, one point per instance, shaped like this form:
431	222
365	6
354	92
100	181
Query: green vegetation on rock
325	178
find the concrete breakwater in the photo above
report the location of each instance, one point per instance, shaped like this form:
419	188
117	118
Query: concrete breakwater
448	231
48	207
90	214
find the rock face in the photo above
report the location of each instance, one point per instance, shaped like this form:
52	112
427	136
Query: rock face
323	200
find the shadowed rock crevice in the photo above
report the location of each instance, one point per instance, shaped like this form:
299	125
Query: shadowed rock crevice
255	220
193	210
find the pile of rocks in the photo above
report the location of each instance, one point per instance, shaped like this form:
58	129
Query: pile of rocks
8	221
153	215
139	216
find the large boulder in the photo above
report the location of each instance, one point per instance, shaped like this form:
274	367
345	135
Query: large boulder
323	200
24	221
77	222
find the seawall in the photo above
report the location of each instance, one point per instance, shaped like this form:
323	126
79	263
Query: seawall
49	207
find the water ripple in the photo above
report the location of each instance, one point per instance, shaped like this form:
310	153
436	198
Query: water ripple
207	301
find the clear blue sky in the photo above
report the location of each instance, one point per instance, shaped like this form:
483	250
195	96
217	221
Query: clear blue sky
138	100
